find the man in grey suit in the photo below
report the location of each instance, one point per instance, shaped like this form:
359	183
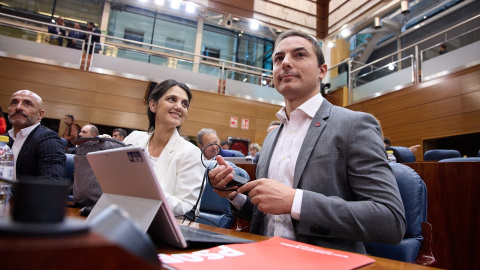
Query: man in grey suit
323	178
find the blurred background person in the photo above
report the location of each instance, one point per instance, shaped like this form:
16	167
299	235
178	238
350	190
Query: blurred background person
119	134
3	123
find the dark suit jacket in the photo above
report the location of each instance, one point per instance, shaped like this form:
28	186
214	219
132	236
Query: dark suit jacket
350	194
53	30
94	39
42	154
78	43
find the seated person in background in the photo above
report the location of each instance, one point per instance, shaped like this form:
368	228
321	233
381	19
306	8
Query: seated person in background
58	33
88	130
323	178
397	155
254	150
38	150
72	41
177	162
273	125
206	136
3	123
119	134
224	145
71	132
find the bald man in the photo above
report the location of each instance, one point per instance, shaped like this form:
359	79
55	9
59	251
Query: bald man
58	33
88	131
38	150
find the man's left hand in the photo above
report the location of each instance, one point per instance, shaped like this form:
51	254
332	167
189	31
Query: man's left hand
271	196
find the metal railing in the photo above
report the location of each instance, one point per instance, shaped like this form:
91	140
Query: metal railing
138	60
410	65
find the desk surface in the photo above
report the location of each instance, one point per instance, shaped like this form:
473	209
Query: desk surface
380	263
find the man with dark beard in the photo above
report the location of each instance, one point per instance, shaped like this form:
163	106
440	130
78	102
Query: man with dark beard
38	150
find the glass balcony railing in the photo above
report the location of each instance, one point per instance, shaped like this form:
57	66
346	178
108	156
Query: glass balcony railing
26	39
410	65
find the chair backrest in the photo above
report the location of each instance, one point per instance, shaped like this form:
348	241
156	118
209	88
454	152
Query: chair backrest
414	196
215	210
461	159
406	154
64	142
69	166
478	152
438	154
237	153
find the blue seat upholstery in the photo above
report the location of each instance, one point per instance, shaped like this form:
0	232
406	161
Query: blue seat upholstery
64	142
414	196
231	153
462	159
406	154
69	166
438	154
478	152
215	210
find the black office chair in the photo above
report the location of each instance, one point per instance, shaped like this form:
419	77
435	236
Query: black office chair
416	243
438	154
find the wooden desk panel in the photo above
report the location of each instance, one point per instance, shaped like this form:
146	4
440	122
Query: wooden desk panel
91	251
453	210
83	251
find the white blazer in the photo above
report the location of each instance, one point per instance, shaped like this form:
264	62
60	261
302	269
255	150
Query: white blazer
178	168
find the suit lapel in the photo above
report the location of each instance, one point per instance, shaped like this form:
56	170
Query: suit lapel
267	150
311	139
166	156
26	145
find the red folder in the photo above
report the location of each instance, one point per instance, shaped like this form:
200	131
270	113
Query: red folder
275	253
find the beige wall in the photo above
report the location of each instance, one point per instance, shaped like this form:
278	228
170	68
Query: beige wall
118	102
289	14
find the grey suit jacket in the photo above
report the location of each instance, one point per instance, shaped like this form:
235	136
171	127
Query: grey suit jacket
350	194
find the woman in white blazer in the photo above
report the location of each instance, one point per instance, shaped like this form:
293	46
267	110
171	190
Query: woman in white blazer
176	161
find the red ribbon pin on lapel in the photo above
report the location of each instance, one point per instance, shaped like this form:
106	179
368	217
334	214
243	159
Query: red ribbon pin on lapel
317	124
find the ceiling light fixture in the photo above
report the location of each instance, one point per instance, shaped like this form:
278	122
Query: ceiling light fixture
377	23
254	25
404	7
345	33
175	4
190	8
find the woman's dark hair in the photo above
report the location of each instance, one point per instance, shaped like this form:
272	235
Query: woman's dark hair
157	93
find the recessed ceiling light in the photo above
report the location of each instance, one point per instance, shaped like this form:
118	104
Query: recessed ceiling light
345	33
254	25
190	8
175	4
